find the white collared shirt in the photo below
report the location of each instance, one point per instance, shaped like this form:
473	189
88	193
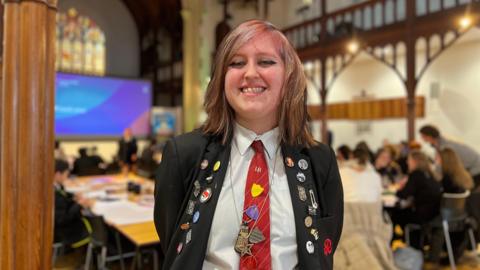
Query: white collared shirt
228	213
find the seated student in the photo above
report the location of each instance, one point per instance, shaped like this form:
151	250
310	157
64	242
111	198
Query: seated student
421	190
70	227
455	179
386	165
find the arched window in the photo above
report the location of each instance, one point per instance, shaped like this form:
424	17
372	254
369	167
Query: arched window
80	44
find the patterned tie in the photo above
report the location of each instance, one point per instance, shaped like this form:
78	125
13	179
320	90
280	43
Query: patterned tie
257	212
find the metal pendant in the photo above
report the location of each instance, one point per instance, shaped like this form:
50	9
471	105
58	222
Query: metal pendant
241	245
256	236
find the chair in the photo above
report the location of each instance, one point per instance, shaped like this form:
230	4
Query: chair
99	244
58	249
452	218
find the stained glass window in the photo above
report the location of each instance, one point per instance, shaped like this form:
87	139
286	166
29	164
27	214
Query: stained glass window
80	44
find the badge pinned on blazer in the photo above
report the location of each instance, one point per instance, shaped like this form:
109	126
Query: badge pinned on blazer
188	238
206	194
314	232
308	221
209	179
301	193
310	247
303	164
190	207
301	177
179	247
196	217
204	164
196	188
216	166
289	162
327	247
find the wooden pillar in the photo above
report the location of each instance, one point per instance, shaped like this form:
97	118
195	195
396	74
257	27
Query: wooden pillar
191	14
411	81
26	135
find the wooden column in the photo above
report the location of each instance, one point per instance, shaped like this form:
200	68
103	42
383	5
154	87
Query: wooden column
323	73
26	135
411	81
191	14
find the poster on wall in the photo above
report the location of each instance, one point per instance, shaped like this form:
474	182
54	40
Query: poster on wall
166	121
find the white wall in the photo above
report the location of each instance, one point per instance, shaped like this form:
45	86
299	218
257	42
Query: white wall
455	73
122	44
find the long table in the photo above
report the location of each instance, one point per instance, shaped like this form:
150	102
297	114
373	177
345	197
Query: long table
129	214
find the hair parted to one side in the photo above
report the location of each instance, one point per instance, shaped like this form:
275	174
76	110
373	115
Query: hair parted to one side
292	112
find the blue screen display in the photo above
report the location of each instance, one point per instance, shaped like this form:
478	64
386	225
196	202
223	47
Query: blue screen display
99	106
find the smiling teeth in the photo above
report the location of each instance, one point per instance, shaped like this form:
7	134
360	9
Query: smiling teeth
253	90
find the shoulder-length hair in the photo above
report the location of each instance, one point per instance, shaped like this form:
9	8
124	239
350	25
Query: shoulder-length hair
452	166
292	111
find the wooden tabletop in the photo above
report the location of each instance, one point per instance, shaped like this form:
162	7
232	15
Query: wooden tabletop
141	234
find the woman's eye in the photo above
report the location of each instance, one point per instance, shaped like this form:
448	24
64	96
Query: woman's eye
236	64
266	63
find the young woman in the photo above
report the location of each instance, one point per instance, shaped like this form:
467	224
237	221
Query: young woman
455	179
251	189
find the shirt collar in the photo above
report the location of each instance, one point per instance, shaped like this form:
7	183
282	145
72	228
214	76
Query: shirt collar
244	137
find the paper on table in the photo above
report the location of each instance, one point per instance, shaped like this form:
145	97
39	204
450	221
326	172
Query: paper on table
123	212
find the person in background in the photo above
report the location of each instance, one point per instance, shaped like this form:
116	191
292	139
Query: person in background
420	194
344	153
470	158
361	183
70	227
251	189
84	165
363	145
455	179
97	159
59	153
386	166
127	151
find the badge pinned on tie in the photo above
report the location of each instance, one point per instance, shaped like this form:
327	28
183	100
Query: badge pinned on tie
308	221
196	217
302	193
206	194
310	247
256	190
188	238
216	166
241	244
256	236
301	177
252	212
289	162
204	164
303	164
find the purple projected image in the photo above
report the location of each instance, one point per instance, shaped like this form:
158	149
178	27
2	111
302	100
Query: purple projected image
99	106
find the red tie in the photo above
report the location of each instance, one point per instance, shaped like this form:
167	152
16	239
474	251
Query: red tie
257	211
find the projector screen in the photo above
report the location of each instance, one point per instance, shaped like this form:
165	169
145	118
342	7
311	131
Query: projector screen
87	106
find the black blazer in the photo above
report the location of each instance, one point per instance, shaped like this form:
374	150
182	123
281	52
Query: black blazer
174	190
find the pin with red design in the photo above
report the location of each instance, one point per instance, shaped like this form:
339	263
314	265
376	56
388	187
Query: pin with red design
327	247
206	194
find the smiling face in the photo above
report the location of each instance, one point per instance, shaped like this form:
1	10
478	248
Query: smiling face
254	83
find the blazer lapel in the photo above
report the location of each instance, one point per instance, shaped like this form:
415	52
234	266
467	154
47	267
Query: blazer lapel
191	237
301	182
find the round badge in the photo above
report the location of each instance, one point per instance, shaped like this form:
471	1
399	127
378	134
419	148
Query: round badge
206	194
308	221
310	247
301	177
179	247
289	162
204	164
196	217
303	164
216	166
185	226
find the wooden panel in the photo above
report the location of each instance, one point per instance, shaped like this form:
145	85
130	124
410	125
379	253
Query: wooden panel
26	134
369	109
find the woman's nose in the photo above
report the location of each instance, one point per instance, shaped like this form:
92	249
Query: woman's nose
251	71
